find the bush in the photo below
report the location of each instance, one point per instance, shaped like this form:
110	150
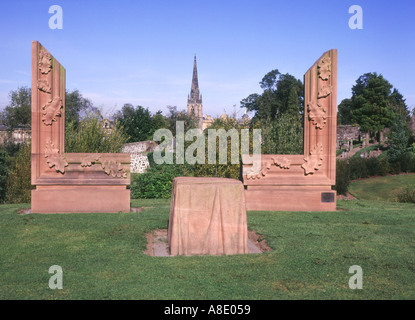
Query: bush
407	162
90	137
4	170
19	179
384	166
406	195
157	181
358	168
342	177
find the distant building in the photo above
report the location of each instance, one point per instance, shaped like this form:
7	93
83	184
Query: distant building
18	135
207	121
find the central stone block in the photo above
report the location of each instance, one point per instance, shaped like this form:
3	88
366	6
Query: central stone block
207	217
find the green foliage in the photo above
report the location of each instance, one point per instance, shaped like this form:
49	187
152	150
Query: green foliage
399	138
278	113
139	123
90	137
362	168
283	135
343	114
190	121
373	105
156	182
4	171
18	183
18	111
75	104
289	134
277	96
406	195
342	176
229	169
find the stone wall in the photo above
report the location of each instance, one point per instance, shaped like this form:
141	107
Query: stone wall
138	152
348	132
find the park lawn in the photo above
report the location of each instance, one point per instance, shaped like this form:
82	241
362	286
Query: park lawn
102	257
381	188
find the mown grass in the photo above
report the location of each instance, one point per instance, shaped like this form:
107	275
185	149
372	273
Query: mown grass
381	188
102	256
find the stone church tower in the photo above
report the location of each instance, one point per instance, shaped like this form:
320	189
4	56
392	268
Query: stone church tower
194	100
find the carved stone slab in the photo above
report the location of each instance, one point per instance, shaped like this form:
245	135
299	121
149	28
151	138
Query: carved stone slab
296	182
78	182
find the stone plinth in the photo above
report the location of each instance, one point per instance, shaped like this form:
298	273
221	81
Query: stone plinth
207	216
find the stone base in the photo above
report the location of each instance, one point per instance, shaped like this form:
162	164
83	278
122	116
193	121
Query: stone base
80	199
207	217
290	198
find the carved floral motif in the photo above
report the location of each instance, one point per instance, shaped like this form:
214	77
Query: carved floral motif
314	161
51	110
111	167
317	115
261	173
324	68
89	160
55	159
45	61
44	86
324	91
281	162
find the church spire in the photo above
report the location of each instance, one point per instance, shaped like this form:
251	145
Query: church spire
194	100
195	96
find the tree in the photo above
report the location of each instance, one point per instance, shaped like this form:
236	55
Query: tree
18	185
373	105
4	170
397	102
137	122
289	128
18	111
279	113
190	121
89	136
274	100
399	138
159	121
75	106
343	112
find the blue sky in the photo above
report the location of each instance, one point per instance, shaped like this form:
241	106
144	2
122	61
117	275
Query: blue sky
141	51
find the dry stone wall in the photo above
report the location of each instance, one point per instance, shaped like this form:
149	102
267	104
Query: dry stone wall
138	152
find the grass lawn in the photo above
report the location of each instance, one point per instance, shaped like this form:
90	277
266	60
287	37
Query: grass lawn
102	256
381	188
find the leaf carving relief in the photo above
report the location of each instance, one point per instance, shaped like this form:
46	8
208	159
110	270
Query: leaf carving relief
261	173
317	115
281	162
110	167
324	91
44	86
45	63
51	110
54	158
324	68
89	160
314	161
113	168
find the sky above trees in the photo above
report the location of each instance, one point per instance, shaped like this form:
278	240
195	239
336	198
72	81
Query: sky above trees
141	52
